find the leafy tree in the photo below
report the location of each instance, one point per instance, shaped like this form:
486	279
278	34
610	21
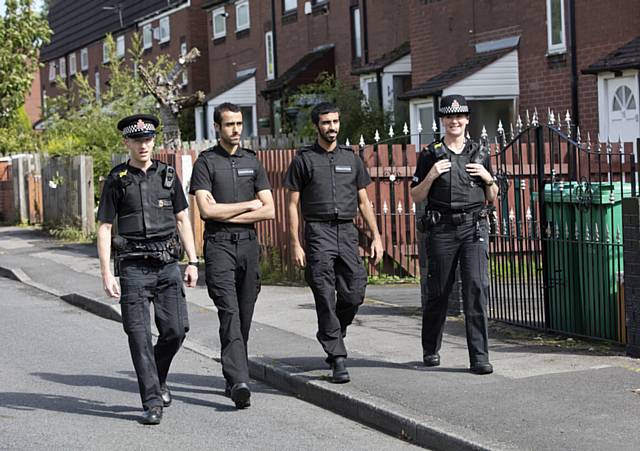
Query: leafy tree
357	116
22	33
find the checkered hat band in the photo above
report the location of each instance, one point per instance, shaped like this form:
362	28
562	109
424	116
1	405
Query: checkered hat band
138	128
454	109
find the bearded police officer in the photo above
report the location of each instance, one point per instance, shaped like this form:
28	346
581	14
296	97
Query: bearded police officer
329	181
146	197
233	193
454	176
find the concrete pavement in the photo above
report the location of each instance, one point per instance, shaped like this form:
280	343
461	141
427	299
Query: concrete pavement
546	392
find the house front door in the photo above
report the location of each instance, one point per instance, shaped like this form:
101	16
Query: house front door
624	114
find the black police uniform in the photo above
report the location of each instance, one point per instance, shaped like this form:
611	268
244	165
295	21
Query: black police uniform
232	253
456	232
145	205
328	183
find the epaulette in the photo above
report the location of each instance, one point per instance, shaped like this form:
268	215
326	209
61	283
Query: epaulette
305	149
246	149
119	171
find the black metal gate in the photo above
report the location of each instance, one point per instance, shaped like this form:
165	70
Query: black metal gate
556	237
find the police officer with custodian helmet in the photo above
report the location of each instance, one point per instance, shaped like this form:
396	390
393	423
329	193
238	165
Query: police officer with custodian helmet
454	176
146	199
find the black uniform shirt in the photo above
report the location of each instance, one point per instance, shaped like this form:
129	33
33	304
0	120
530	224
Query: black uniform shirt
111	197
328	182
454	189
230	179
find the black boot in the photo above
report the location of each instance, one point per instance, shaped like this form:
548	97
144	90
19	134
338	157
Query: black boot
340	374
165	394
152	416
240	395
431	360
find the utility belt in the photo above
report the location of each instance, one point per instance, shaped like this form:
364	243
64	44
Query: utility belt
165	251
233	237
455	217
335	221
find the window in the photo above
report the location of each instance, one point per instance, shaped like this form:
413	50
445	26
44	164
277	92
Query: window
165	30
63	67
356	33
425	121
219	23
247	122
52	71
97	80
242	15
185	75
623	99
44	100
120	46
289	6
147	36
84	59
369	87
105	52
72	64
268	44
555	26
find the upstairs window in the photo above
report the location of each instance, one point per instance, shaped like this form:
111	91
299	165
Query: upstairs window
242	15
183	52
84	59
289	6
356	33
105	52
555	26
63	67
268	44
147	36
219	23
97	83
120	49
165	30
72	64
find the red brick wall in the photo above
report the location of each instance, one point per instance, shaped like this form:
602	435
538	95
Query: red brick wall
443	33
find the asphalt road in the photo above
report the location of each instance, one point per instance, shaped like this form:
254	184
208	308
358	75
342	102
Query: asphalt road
67	382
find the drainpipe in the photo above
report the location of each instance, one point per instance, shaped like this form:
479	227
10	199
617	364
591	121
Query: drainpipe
365	33
275	62
574	64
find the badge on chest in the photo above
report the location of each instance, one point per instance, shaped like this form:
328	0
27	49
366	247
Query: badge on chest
246	172
343	169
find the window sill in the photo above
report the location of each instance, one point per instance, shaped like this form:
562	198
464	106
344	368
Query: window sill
220	40
240	34
290	17
556	52
320	8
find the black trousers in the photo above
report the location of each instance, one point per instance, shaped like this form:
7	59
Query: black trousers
233	282
334	266
447	245
143	282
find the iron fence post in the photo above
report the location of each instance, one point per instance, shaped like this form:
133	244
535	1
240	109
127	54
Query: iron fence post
540	163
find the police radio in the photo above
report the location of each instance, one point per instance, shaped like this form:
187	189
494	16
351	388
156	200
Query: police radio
169	177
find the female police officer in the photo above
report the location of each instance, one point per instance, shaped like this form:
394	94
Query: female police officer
454	176
148	200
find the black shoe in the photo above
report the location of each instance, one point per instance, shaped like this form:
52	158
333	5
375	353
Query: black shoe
431	360
481	368
165	394
340	374
227	389
240	395
152	416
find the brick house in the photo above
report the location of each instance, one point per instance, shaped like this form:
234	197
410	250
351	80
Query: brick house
510	56
256	65
167	27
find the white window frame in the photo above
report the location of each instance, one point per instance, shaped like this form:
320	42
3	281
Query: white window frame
223	32
185	75
105	52
52	71
364	85
286	9
270	61
165	30
147	36
63	67
84	59
239	5
357	32
120	46
562	46
96	78
73	66
414	118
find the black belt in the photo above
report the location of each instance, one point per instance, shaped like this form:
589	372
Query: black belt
234	237
335	221
455	216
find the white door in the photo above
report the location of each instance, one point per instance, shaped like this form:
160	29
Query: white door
624	115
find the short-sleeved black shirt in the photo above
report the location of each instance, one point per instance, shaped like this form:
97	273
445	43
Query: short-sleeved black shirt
229	179
110	199
457	181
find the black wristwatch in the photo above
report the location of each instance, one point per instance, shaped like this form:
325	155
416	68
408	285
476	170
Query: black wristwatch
195	263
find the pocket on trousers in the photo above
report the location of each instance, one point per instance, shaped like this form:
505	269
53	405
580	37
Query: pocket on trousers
133	312
434	283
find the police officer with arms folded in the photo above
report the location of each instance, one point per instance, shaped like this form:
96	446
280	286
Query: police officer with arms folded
328	181
454	175
233	193
146	197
